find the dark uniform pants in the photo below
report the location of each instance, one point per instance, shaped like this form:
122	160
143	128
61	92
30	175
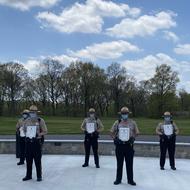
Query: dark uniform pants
88	143
33	152
124	151
22	144
167	143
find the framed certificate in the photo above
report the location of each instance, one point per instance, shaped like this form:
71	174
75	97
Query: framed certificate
90	127
168	129
31	131
124	133
22	134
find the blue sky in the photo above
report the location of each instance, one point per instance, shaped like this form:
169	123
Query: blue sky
139	34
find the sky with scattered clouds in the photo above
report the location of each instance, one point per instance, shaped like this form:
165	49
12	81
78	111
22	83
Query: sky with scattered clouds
138	34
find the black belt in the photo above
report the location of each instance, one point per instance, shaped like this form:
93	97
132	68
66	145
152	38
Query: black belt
32	140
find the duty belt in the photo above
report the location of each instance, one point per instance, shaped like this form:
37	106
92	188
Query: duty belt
32	140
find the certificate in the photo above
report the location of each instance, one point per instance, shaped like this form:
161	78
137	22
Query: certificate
90	127
31	131
168	130
124	133
22	134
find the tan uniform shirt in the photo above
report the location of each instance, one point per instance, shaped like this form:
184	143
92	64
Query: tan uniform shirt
133	129
20	127
160	128
38	124
97	123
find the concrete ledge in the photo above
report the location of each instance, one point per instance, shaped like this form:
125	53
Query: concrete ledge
106	147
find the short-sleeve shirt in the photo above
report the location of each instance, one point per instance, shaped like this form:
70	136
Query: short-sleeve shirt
97	123
129	124
160	127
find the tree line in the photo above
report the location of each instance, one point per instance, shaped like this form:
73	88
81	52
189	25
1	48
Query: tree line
72	90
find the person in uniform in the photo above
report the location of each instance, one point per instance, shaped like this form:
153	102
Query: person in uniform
123	133
167	131
35	128
91	127
21	134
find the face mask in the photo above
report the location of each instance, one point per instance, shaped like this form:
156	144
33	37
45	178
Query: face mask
92	115
24	116
33	115
167	119
124	116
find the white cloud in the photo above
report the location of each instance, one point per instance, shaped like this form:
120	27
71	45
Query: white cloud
35	66
25	5
182	49
85	18
171	36
142	26
144	68
105	50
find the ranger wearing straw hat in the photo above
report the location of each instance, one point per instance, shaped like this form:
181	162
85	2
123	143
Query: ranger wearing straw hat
21	135
123	133
91	127
167	131
35	128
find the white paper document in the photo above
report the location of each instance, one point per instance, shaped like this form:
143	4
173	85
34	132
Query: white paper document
124	133
90	127
168	129
22	134
31	131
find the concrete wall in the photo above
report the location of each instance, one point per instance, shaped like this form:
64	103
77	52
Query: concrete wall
106	147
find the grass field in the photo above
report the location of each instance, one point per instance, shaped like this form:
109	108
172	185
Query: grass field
65	125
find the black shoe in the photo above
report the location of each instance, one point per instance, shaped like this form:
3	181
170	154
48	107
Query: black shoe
39	179
132	183
85	165
173	168
116	182
97	166
162	168
20	163
26	178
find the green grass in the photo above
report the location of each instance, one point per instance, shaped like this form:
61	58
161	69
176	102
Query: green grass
66	125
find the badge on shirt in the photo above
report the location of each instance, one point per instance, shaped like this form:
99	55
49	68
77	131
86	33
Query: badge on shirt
31	131
90	127
168	130
124	133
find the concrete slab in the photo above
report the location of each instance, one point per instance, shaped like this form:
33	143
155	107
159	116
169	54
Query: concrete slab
65	172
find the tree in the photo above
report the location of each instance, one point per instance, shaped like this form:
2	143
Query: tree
52	73
163	89
117	77
13	77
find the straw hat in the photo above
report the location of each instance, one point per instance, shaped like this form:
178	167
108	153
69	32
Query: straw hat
33	108
25	111
167	113
92	110
124	110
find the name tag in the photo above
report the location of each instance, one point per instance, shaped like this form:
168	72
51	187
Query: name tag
168	129
124	133
90	127
31	131
22	134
